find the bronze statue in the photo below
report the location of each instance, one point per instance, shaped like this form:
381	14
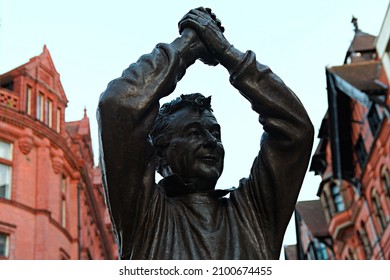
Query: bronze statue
183	216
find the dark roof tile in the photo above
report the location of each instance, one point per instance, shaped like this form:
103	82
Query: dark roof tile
362	42
362	75
312	214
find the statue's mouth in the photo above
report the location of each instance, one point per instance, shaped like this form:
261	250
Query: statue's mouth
209	158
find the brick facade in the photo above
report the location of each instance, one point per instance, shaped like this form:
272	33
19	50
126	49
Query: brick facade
52	202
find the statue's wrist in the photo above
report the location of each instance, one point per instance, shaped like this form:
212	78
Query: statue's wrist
188	46
231	58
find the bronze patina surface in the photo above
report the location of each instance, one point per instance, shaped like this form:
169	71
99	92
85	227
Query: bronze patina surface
183	216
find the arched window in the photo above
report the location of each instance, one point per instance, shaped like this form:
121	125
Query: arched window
378	211
364	240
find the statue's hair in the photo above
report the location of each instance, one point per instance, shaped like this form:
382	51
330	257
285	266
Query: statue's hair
161	132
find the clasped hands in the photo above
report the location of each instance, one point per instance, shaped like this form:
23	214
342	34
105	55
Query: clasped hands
204	30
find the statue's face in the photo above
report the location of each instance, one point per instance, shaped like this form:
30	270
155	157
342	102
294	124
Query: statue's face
195	151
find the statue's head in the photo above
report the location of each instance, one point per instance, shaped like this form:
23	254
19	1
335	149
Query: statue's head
187	140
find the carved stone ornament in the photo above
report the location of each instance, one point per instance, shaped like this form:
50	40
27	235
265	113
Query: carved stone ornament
56	160
26	141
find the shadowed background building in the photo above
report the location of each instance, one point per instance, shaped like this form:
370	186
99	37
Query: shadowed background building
352	218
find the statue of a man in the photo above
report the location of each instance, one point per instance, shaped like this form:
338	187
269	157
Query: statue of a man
183	216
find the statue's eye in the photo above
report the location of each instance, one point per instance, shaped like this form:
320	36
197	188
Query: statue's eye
194	132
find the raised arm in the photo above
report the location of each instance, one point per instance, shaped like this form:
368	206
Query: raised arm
126	112
278	170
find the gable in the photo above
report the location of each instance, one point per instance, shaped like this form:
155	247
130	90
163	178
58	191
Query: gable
42	69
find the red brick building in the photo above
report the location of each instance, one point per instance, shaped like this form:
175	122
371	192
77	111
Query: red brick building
51	197
353	156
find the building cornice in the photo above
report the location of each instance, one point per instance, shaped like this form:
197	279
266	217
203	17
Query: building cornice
41	130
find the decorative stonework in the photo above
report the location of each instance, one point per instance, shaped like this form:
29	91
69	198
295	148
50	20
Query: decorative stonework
8	99
26	141
56	160
45	78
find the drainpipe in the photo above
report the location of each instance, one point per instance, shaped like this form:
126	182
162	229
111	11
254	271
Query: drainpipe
79	220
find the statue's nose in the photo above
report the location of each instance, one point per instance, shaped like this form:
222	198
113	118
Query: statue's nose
209	140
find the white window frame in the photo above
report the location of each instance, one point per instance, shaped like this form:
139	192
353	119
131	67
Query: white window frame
6	161
49	112
40	106
6	247
58	120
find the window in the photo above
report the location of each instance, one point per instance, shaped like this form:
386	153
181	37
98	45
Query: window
40	103
378	211
373	119
317	251
364	240
5	169
310	255
63	213
58	120
361	151
326	205
337	198
49	111
28	100
3	245
321	250
63	201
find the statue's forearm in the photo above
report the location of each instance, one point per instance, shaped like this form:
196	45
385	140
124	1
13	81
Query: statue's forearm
189	47
231	58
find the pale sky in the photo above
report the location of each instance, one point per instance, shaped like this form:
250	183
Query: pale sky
92	42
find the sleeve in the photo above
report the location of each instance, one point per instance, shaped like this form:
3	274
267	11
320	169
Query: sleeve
126	112
278	171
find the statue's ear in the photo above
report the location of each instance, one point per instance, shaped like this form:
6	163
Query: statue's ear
161	163
163	168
